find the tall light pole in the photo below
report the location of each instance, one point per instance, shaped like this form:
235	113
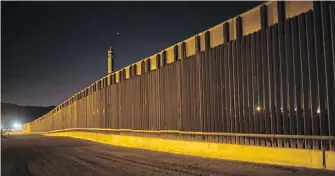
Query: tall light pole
111	57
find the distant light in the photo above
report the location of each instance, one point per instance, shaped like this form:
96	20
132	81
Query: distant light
318	110
117	33
258	108
17	126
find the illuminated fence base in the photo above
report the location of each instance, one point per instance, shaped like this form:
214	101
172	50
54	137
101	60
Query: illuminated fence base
198	147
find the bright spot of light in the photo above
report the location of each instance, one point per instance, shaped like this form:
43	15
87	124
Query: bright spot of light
117	33
17	126
318	110
258	108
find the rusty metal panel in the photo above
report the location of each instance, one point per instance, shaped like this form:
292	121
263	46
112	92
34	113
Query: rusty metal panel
216	36
292	10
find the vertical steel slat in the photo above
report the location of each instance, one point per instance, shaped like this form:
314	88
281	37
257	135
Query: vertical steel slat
283	82
217	94
222	88
244	87
320	66
332	120
182	94
168	97
140	119
266	35
239	84
271	81
227	85
205	93
204	90
198	91
158	100
258	83
290	74
149	127
189	93
277	81
164	102
297	78
210	68
164	106
147	97
219	99
253	82
233	86
329	71
249	84
177	95
154	100
258	86
178	87
305	79
188	71
186	94
235	74
264	81
132	99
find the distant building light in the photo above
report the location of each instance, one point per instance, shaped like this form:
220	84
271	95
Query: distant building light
258	108
17	126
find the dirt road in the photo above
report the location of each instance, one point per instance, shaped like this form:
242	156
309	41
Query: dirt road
40	155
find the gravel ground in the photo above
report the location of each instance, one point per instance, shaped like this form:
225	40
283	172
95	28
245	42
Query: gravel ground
40	155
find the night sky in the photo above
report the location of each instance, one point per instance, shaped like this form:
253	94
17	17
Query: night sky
52	50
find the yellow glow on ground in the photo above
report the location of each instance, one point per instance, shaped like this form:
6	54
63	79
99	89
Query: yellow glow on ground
256	154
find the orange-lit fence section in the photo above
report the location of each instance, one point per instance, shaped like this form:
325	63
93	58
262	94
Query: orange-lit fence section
272	87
